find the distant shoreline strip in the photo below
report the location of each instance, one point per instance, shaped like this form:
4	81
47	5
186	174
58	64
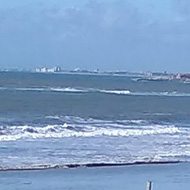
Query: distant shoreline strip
88	165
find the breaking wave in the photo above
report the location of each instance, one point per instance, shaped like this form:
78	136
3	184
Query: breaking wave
122	92
87	165
47	89
80	143
93	90
13	133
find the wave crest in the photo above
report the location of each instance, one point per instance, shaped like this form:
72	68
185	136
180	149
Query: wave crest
93	90
82	130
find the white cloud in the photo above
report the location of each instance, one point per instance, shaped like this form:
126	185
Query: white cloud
111	34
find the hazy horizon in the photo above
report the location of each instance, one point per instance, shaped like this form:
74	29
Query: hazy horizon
127	35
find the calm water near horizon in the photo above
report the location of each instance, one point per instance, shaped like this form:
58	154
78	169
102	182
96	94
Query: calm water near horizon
59	119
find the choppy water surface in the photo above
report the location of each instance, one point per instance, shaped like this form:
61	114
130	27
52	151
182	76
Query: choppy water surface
59	119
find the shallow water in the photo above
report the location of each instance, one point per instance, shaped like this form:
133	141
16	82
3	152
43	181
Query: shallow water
166	177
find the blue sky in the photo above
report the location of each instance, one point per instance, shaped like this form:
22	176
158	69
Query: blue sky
134	35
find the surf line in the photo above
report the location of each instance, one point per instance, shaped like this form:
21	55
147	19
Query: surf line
88	165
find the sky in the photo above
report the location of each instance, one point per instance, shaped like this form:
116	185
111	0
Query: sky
133	35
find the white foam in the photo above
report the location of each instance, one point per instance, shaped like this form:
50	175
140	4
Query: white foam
67	130
74	90
170	94
93	90
120	92
137	121
46	89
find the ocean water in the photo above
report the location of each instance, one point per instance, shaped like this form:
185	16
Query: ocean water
167	177
60	119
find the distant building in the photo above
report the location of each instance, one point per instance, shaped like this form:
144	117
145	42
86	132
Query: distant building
48	70
185	76
57	69
77	70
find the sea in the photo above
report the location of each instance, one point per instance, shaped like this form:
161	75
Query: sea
56	120
167	177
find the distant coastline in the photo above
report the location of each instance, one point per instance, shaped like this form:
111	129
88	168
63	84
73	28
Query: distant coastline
143	76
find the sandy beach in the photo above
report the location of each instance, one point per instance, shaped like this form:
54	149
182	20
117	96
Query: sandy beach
166	177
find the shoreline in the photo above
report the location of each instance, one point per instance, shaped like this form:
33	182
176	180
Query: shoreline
88	165
163	176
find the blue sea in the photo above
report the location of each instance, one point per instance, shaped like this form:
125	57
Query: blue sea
49	120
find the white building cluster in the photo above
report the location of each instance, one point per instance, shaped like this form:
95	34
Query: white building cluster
48	70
